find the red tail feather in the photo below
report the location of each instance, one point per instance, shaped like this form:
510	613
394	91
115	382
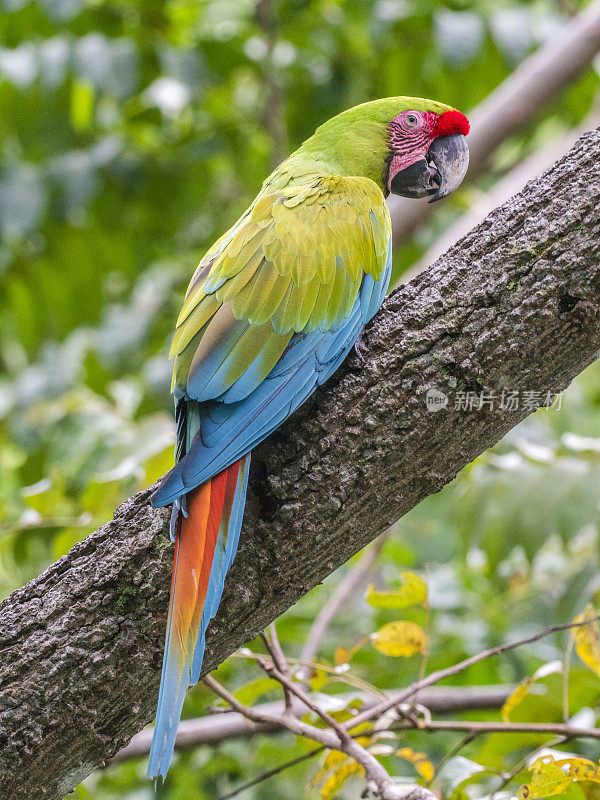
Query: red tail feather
210	508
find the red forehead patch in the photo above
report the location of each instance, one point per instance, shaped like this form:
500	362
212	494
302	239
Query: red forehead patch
451	122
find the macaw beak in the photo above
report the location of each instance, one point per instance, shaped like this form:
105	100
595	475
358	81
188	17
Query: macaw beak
450	156
439	173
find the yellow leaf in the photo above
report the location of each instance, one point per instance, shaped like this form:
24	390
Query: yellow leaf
337	779
551	777
420	762
331	760
412	592
586	639
399	639
515	698
318	679
522	689
580	769
547	779
342	656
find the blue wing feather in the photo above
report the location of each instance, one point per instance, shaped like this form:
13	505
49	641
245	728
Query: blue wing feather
228	430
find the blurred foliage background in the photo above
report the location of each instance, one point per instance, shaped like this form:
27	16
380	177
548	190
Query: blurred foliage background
132	134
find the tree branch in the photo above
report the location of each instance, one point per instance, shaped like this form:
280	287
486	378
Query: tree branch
515	304
279	660
377	709
335	737
271	773
478	728
216	728
300	693
357	747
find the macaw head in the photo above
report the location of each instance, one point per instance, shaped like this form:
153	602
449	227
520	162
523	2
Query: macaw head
427	153
408	145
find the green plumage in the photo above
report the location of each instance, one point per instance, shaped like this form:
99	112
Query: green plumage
295	260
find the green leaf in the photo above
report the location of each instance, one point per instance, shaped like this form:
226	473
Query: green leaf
249	693
82	104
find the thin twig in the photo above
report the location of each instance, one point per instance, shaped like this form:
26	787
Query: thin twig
336	738
441	674
474	729
271	772
301	694
348	678
477	728
278	654
348	745
249	713
467	739
344	592
472	734
226	724
325	737
274	648
276	770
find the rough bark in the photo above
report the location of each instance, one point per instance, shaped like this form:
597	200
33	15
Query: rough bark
514	305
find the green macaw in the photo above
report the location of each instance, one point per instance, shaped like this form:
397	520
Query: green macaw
270	313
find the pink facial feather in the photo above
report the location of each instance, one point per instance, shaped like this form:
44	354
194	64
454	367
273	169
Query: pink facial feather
409	145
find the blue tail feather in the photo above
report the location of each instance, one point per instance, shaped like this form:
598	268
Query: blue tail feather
175	680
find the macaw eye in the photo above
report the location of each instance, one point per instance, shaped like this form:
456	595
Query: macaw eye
412	120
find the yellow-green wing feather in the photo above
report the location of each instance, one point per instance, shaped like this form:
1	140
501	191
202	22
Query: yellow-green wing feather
294	262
